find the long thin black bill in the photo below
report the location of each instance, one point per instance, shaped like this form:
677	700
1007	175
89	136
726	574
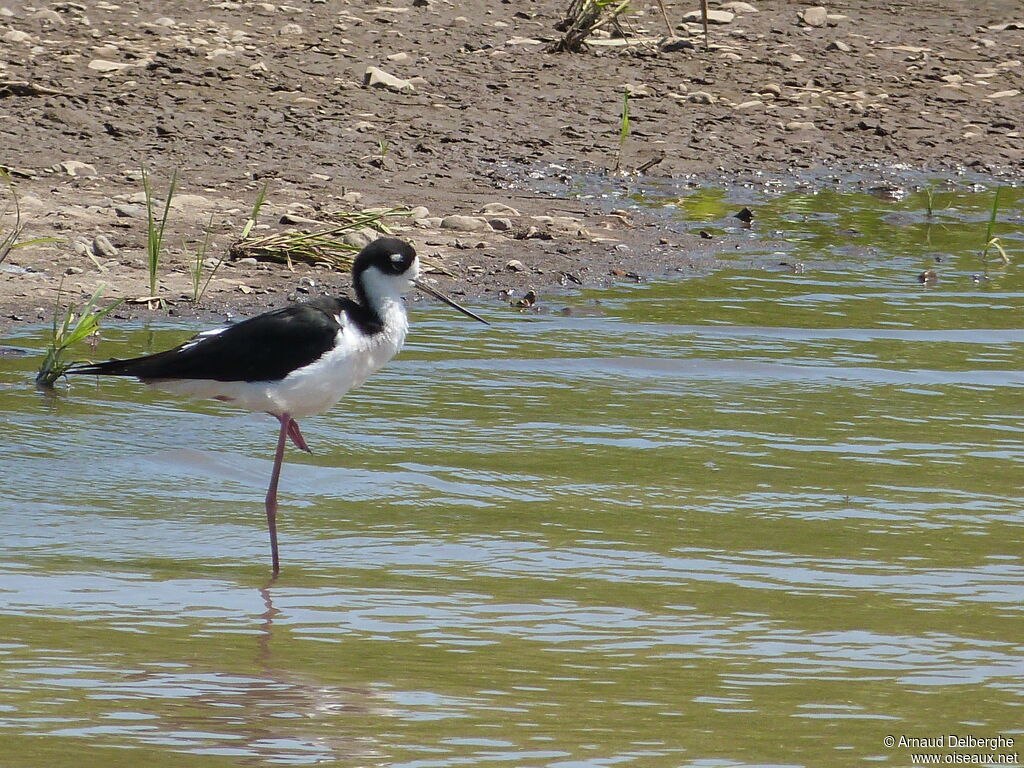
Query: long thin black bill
438	295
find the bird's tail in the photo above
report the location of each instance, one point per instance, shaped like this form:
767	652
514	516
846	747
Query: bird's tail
108	368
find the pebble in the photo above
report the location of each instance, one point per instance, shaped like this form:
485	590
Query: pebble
749	104
49	16
461	223
838	45
815	17
499	209
102	246
128	211
700	97
1004	94
500	224
738	7
714	17
400	58
419	212
773	88
103	65
515	265
16	36
637	90
374	77
190	202
562	223
800	125
290	29
77	168
359	238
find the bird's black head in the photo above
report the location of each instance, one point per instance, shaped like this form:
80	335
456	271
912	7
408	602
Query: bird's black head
387	269
389	255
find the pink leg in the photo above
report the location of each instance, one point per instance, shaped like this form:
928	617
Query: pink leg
297	439
286	421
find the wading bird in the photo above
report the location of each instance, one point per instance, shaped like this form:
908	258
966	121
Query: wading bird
295	361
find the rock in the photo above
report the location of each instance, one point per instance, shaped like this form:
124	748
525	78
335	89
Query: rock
102	65
700	97
800	125
360	238
637	90
499	209
190	202
128	211
419	212
753	103
462	223
714	17
16	36
770	88
400	58
1004	94
515	265
102	246
77	168
815	17
500	225
378	78
561	223
738	7
290	29
838	45
49	17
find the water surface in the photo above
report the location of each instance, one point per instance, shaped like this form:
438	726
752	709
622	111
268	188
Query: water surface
757	517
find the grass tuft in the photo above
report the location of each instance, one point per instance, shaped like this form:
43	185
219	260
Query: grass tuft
197	267
155	228
991	241
70	326
623	129
11	240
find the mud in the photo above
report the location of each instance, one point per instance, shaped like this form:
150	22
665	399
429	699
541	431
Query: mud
235	95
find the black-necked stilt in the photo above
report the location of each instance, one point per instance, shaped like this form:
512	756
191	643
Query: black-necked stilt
298	360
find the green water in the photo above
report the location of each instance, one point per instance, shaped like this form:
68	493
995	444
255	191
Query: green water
753	518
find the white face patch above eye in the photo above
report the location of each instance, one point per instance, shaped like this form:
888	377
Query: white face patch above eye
397	258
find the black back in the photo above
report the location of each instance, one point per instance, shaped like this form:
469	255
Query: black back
264	348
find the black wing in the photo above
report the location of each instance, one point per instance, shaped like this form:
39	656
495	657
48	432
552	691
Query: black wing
264	348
